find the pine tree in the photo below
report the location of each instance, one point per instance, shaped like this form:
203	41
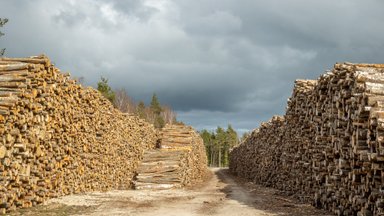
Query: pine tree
208	143
2	23
233	139
140	110
221	140
105	89
214	151
155	107
159	122
218	144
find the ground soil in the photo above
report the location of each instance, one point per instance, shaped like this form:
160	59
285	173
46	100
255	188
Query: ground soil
220	194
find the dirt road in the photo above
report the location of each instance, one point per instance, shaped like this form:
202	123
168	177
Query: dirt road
222	194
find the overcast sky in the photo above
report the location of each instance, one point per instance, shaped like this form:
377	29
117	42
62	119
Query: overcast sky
216	62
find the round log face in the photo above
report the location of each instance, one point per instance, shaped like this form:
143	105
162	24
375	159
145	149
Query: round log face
327	149
60	138
180	161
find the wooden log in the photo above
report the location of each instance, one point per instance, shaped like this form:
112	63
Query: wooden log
151	186
10	78
52	145
3	151
11	67
7	85
33	60
331	137
173	164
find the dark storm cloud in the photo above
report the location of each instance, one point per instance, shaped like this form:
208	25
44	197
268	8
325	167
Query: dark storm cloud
134	8
214	61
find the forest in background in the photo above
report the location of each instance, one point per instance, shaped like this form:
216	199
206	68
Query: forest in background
218	144
156	113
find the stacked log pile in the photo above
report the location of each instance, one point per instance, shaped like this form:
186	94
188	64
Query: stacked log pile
59	138
179	161
328	148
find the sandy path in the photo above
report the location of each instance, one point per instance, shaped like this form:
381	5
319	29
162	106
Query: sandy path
222	194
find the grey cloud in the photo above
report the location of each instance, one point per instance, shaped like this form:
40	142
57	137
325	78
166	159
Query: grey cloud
134	8
70	17
214	61
217	23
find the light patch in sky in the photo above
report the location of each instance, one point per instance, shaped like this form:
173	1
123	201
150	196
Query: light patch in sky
109	13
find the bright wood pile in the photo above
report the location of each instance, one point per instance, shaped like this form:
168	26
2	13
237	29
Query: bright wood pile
328	149
60	138
179	161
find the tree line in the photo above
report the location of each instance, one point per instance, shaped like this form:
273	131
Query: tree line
156	113
218	143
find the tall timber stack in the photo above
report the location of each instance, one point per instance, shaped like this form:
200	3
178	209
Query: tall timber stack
59	138
328	149
180	160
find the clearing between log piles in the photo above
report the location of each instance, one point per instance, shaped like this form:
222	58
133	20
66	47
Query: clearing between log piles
328	149
221	195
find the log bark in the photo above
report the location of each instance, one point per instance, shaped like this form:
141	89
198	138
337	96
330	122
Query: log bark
59	138
173	165
328	147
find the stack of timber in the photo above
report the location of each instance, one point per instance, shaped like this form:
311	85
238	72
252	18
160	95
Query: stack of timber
328	149
59	138
179	161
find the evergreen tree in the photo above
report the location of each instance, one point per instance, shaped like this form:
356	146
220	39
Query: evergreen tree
155	113
233	139
140	110
155	107
159	122
208	142
218	144
105	89
2	23
221	140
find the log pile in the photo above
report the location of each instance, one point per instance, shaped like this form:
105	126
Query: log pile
328	149
59	138
179	161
